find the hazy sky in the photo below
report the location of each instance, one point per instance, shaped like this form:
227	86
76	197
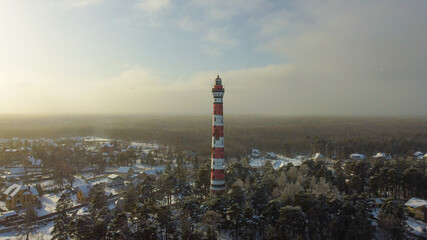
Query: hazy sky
162	56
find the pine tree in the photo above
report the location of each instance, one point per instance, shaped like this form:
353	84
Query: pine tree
119	228
61	229
392	217
185	227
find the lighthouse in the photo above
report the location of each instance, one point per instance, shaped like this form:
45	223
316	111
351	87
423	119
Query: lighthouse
217	158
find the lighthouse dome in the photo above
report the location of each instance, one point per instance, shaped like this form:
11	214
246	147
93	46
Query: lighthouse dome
218	80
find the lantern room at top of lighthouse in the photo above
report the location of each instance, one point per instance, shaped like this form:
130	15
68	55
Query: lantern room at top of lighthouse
218	84
218	80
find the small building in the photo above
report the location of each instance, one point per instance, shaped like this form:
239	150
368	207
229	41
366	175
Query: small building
20	196
318	156
357	156
271	155
35	162
115	180
17	171
107	148
383	156
417	208
255	153
84	211
83	193
8	216
125	172
418	155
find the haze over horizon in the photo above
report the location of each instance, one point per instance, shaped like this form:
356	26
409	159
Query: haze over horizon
138	57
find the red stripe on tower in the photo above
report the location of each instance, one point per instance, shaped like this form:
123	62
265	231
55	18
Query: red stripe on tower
217	160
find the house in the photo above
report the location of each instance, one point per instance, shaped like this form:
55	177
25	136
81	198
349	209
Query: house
107	148
271	155
20	196
418	155
318	156
9	216
18	171
83	192
381	155
35	162
357	156
125	172
84	211
255	153
115	180
417	208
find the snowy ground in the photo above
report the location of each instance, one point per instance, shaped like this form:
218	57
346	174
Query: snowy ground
41	232
48	202
416	225
98	181
78	181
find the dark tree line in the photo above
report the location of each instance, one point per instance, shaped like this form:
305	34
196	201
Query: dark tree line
288	135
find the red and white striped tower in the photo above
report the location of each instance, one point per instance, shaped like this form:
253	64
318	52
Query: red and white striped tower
217	162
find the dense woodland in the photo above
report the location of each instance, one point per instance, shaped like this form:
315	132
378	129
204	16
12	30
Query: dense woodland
288	135
312	201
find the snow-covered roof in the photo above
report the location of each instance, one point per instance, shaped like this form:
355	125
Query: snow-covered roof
109	145
19	170
318	156
380	155
9	213
124	169
417	154
271	154
83	211
256	163
34	162
416	203
34	191
85	189
12	189
357	156
113	176
15	188
155	171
